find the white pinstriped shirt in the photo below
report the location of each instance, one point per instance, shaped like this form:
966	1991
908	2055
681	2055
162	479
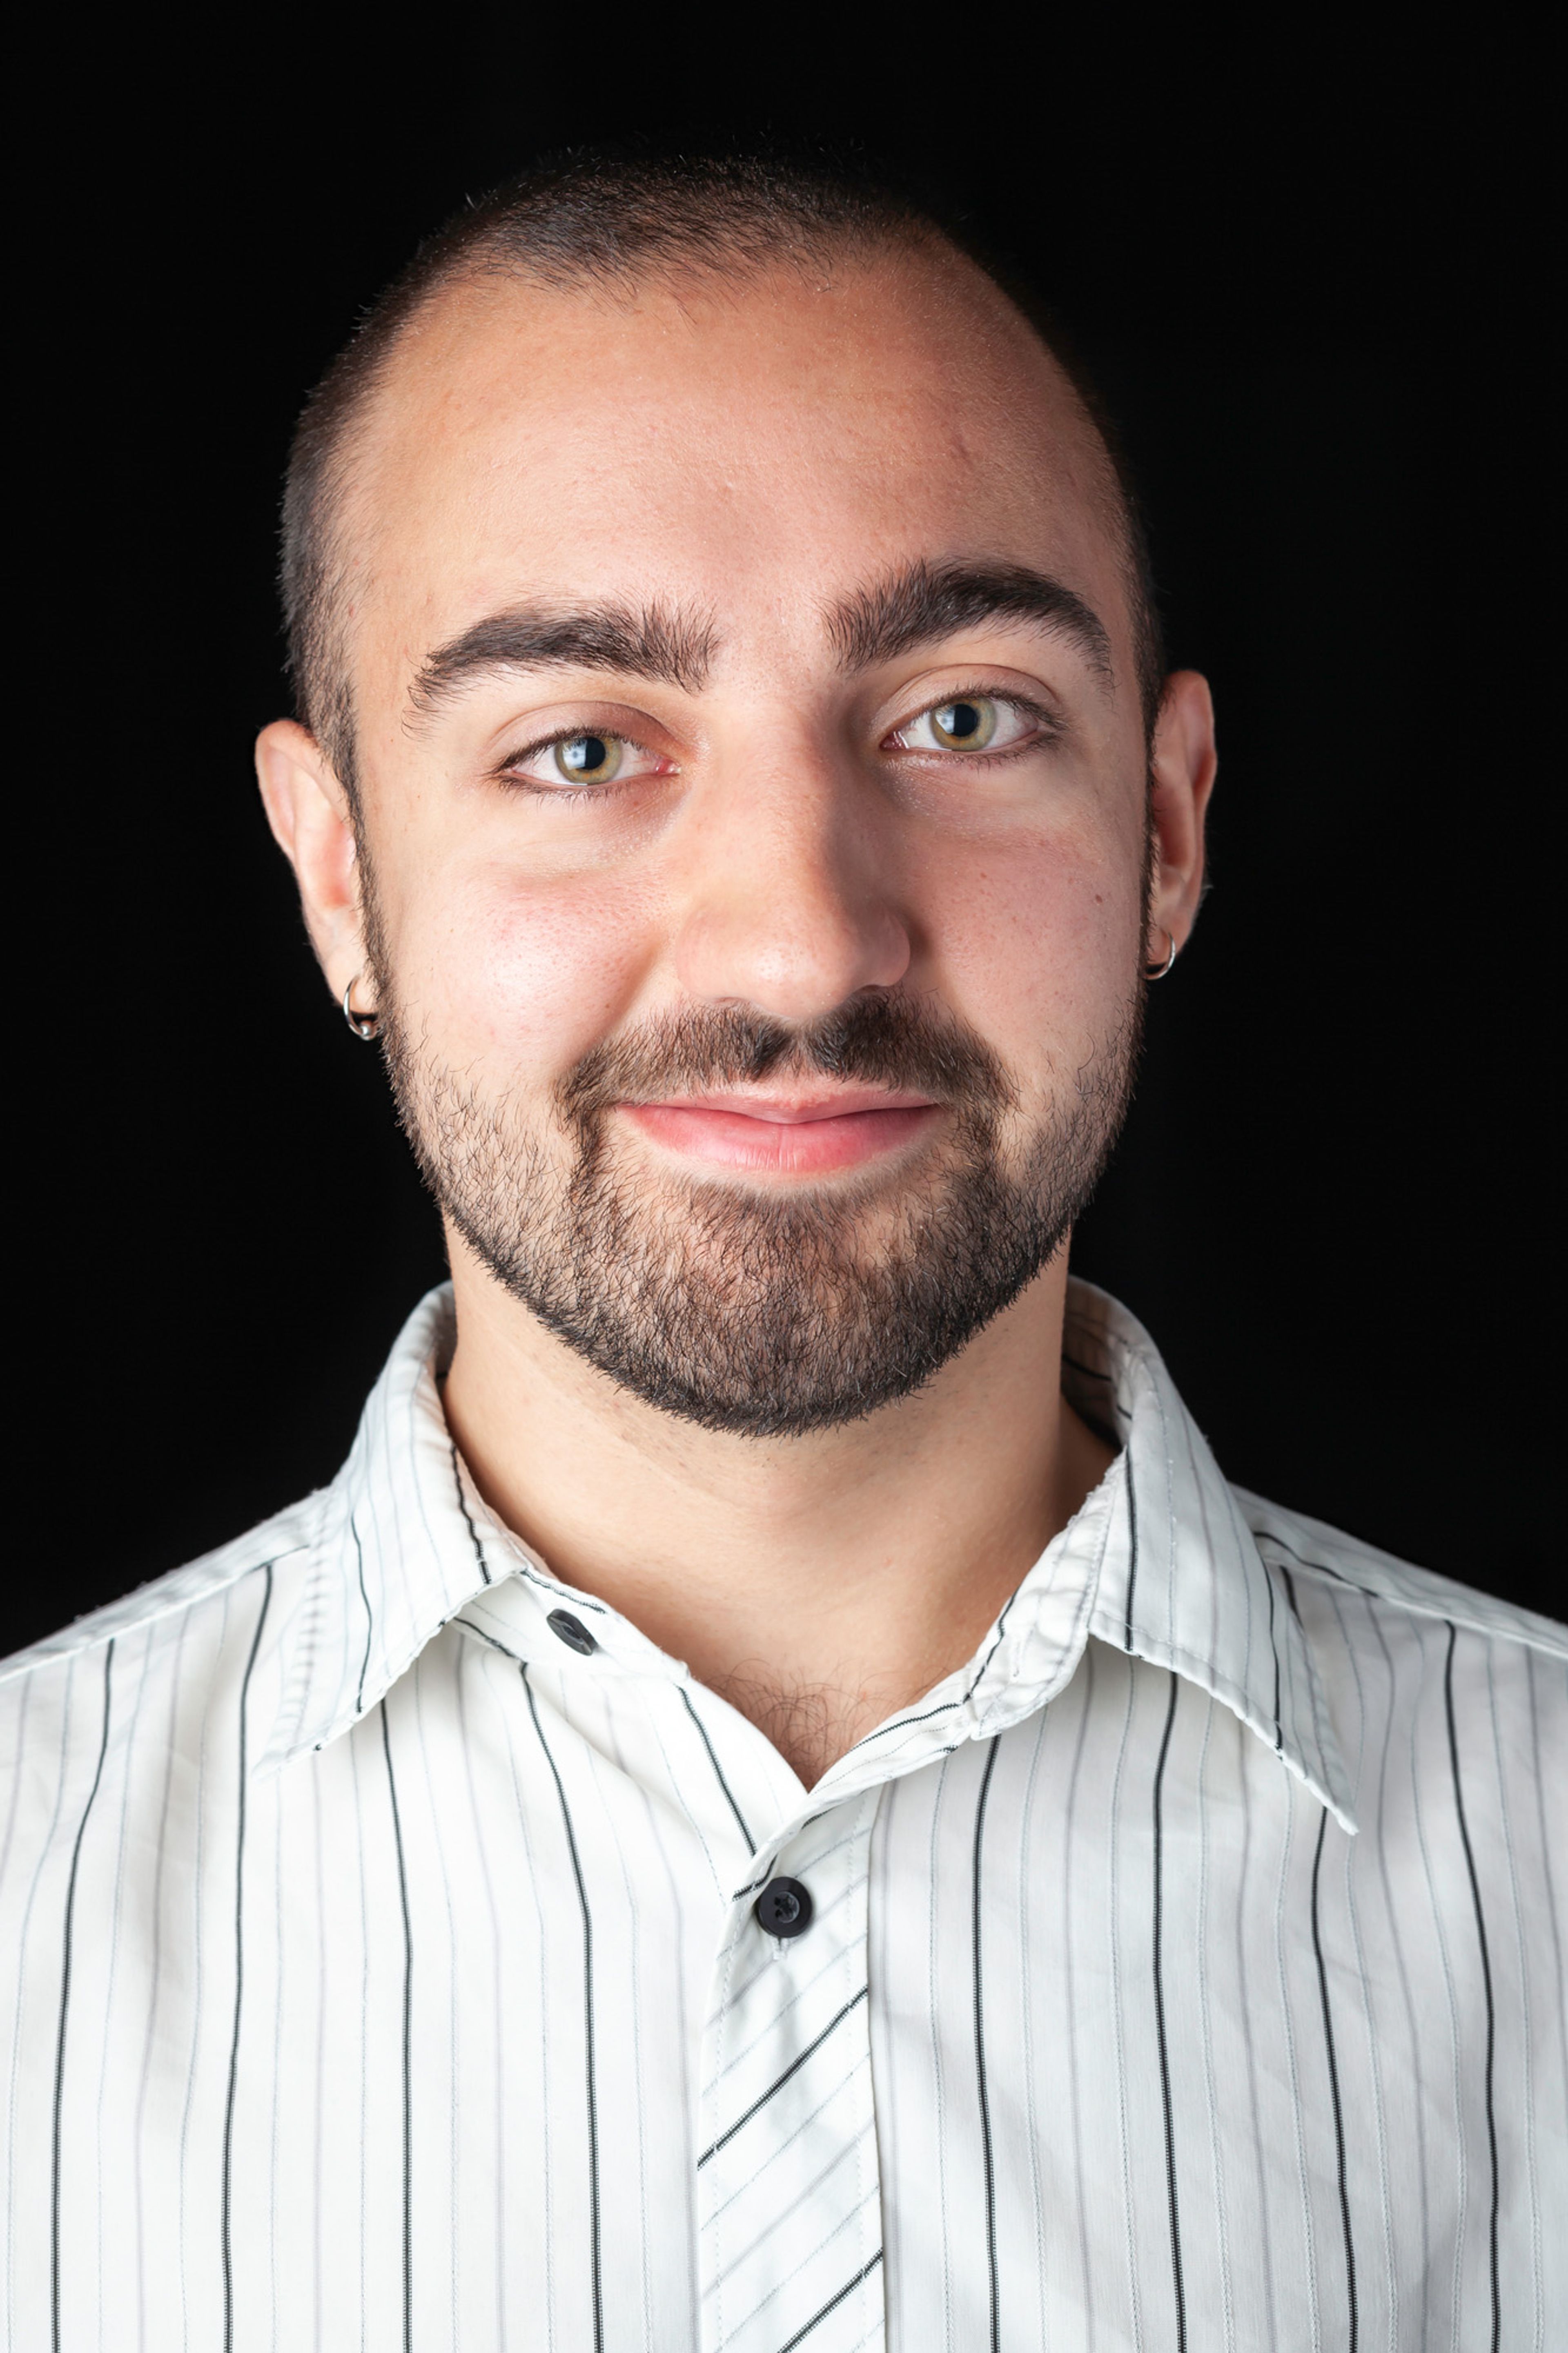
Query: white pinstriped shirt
380	1970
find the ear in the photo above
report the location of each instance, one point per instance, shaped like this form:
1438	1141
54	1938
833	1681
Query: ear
308	810
1183	765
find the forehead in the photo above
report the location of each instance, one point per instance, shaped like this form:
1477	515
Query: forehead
758	447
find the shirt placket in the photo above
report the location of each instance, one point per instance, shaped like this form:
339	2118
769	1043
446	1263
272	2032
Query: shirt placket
789	2205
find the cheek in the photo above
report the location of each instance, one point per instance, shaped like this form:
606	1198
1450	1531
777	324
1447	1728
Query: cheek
519	979
1039	950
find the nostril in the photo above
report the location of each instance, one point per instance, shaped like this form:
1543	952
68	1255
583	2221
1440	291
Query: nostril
798	962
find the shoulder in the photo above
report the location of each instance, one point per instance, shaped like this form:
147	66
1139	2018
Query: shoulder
1309	1548
165	1607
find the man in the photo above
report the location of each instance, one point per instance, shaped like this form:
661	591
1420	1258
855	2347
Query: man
780	1798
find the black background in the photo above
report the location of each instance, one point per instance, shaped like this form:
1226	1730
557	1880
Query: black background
1307	266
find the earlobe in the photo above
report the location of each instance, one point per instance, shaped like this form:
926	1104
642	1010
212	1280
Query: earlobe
1160	969
308	813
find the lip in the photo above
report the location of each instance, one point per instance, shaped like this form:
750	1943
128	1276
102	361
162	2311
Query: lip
785	1135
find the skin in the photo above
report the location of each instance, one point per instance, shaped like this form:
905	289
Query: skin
784	839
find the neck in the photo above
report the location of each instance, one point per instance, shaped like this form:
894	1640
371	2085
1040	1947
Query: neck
819	1583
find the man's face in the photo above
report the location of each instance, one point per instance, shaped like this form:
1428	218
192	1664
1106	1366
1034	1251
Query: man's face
753	817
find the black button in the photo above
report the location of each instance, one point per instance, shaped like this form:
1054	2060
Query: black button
783	1908
572	1631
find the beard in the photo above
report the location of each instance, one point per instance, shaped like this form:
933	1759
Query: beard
737	1309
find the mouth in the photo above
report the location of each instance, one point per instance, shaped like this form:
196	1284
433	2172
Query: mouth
784	1134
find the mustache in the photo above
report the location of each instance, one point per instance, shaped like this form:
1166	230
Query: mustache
879	1039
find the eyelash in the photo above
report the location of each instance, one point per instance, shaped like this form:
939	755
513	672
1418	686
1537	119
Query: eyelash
562	792
1045	722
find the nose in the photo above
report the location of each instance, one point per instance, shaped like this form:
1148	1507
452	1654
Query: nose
790	902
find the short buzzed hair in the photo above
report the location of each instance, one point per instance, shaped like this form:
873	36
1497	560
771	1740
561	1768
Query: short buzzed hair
601	221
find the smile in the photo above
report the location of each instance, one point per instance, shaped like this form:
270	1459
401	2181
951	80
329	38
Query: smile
785	1136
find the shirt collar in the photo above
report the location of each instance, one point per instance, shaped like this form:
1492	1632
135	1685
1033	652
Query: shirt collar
1159	1563
1184	1583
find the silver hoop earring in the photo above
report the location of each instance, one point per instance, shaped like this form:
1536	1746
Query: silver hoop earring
365	1025
1159	971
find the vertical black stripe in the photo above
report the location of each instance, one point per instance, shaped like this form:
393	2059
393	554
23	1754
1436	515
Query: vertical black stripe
467	1522
1486	1977
1279	1733
238	1970
1133	1542
1353	2338
592	2088
407	2042
980	2060
1160	2028
65	2007
369	1620
718	1771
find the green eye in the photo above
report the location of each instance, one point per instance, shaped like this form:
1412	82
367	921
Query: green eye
588	759
965	726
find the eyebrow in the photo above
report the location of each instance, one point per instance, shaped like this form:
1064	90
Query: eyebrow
921	603
673	647
915	606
